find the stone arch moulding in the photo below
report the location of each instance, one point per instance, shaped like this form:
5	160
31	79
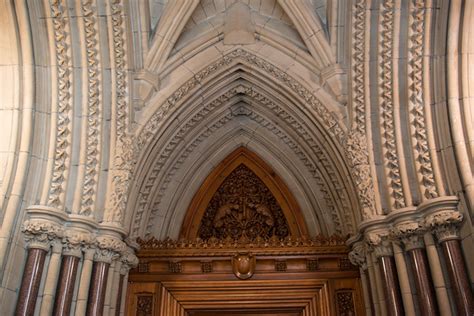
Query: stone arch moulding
198	205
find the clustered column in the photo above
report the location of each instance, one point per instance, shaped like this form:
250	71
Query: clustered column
63	272
406	235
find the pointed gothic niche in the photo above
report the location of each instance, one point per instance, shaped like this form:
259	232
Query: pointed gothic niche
243	199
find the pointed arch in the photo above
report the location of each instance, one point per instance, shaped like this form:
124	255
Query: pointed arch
278	188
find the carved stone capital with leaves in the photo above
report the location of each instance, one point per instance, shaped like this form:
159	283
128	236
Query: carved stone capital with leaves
75	241
410	234
129	260
40	233
445	224
108	248
358	255
380	242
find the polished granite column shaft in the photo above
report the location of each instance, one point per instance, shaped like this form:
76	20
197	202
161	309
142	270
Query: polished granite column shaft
95	302
30	282
458	276
66	283
118	303
391	285
424	285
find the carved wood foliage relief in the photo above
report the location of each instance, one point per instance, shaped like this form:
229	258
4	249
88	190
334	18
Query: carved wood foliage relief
243	208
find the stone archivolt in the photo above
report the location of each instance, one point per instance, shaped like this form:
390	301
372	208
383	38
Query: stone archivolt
66	107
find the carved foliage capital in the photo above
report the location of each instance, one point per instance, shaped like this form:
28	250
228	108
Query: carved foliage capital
380	242
411	234
108	248
445	224
358	255
129	260
75	241
40	233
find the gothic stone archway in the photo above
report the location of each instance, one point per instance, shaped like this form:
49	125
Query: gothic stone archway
244	251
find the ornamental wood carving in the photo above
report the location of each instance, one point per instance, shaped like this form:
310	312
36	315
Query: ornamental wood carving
243	207
243	199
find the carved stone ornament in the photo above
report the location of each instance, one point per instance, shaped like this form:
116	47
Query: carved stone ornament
75	241
411	234
380	243
108	248
445	224
358	255
129	260
243	208
40	233
243	265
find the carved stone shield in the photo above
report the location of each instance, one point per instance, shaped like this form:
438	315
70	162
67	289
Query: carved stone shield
243	265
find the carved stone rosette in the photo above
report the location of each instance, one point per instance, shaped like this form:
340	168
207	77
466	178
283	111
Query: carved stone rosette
40	233
445	224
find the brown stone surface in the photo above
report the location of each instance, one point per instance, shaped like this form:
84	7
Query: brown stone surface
95	305
458	276
424	284
65	288
391	286
30	282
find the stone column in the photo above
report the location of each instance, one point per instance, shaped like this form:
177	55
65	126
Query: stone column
383	251
411	235
85	279
445	224
38	235
51	279
72	254
358	258
128	260
107	249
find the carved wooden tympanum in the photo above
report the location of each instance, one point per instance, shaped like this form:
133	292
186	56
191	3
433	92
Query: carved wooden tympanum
243	207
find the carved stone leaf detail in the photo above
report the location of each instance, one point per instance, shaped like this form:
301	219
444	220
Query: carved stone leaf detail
243	208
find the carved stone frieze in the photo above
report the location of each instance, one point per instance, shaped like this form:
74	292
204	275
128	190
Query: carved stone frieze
411	234
243	207
62	44
123	151
416	95
387	119
93	141
445	224
40	233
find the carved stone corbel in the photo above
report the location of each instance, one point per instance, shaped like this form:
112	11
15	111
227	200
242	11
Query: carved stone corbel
129	261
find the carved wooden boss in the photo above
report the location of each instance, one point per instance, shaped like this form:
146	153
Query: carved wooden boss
244	248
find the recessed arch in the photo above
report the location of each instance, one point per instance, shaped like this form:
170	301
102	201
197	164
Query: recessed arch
243	156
